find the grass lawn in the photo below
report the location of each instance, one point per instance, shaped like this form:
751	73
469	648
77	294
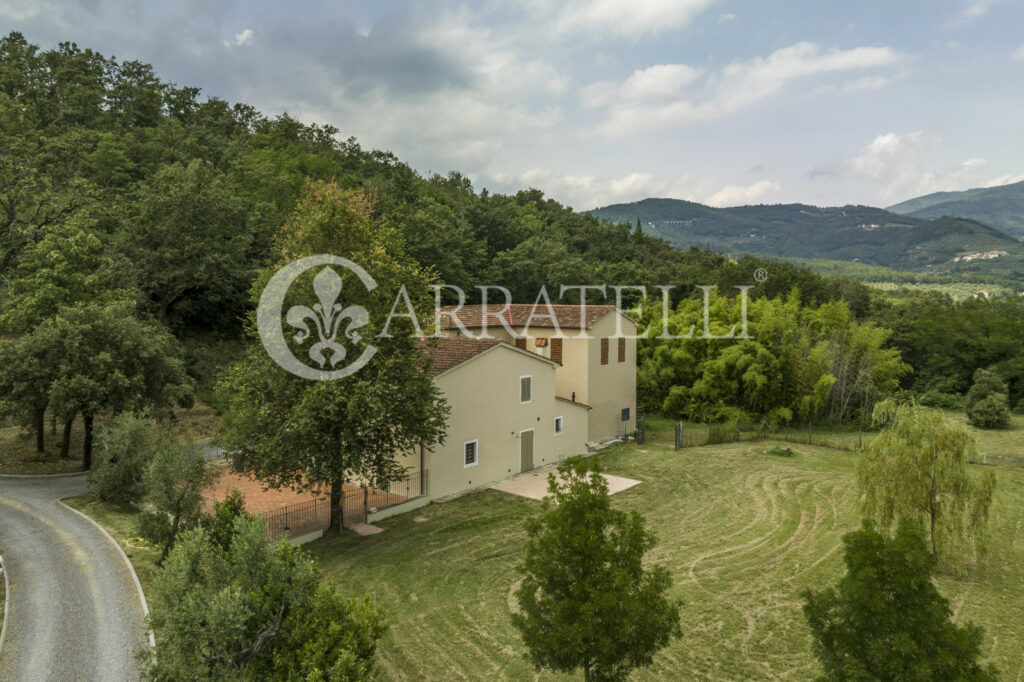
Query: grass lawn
742	531
119	520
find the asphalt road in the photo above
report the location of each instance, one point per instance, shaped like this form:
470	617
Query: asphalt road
74	610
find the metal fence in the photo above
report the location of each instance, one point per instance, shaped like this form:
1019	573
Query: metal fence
209	451
360	501
298	519
712	434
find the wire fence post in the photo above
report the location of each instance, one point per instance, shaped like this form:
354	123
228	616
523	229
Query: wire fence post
679	436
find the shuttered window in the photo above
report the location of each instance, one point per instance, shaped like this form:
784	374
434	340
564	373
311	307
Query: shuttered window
525	389
521	342
604	351
622	349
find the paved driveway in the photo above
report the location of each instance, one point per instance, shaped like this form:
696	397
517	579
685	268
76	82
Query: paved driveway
74	610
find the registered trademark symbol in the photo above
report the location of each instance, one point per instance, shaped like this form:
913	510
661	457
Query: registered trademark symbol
760	274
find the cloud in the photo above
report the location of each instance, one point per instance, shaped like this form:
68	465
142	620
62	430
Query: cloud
590	191
676	94
243	38
624	18
1007	179
974	10
1018	54
741	195
904	167
727	17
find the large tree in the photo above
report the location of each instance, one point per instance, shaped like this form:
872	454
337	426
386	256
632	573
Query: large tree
187	234
108	359
291	431
918	467
586	601
886	621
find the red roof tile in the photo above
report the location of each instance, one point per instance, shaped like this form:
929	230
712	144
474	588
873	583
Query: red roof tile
517	315
445	353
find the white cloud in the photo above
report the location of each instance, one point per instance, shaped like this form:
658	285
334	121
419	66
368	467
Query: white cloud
904	167
1007	179
1018	54
243	38
591	191
628	18
727	17
677	94
974	10
741	195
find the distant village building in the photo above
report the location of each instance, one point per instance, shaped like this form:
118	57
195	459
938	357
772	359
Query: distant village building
979	255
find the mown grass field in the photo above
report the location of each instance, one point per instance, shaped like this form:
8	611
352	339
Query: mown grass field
742	531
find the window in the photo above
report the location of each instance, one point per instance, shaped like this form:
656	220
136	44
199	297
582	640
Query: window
556	350
558	426
470	452
526	389
604	351
625	414
521	342
622	349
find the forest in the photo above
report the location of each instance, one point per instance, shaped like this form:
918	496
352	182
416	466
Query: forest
135	215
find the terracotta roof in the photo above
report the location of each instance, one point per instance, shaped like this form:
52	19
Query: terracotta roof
517	314
446	353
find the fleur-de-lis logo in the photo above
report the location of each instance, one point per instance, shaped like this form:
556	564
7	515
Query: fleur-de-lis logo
327	316
322	323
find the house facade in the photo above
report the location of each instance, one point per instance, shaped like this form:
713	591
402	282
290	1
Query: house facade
506	417
591	346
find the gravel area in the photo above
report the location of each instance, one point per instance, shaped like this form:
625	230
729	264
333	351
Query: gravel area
74	610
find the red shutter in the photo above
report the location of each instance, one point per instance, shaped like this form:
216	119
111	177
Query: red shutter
604	351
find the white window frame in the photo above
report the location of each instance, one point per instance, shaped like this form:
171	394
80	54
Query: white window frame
559	421
476	453
521	401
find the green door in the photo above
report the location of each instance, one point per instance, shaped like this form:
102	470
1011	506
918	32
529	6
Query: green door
526	450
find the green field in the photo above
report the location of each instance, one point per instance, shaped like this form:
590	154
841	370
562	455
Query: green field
742	531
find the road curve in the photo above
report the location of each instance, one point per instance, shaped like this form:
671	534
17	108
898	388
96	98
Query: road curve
74	609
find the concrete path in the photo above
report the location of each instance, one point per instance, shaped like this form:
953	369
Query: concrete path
535	485
74	610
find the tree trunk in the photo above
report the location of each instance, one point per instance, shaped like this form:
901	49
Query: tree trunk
87	444
337	512
40	426
65	442
935	550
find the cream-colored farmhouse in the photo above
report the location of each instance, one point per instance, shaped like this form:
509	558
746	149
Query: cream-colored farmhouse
592	347
535	392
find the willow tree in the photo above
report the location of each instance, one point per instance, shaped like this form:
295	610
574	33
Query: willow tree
917	468
303	433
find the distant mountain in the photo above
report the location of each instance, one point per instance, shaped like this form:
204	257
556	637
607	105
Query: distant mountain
849	233
1001	207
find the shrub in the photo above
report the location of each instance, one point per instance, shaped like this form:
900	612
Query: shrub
1019	407
988	401
125	446
991	412
945	401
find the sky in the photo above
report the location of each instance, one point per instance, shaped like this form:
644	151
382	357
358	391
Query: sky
726	102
